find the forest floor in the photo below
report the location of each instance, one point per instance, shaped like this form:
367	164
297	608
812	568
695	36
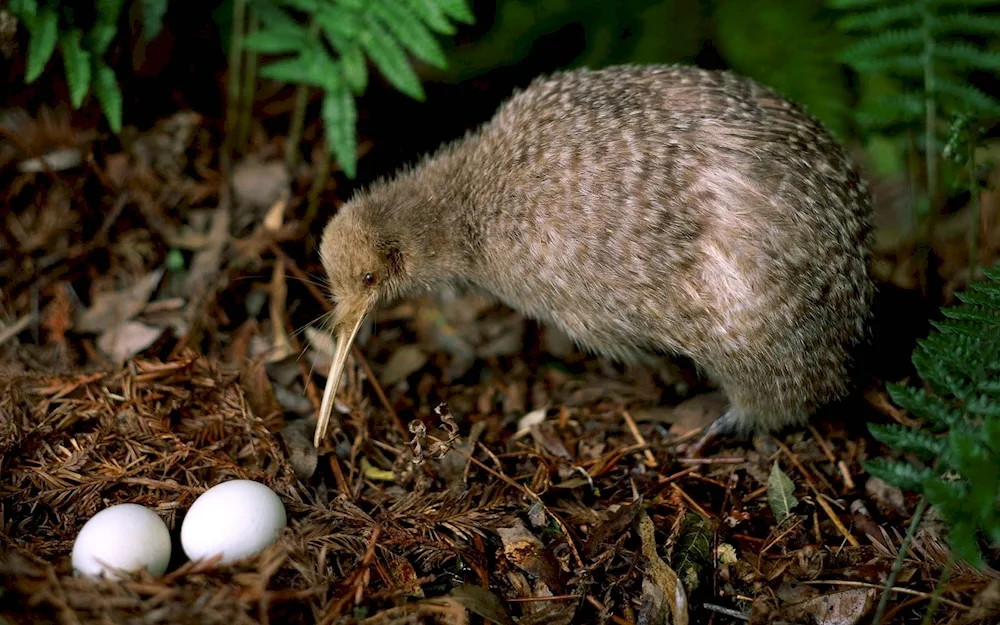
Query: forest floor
158	335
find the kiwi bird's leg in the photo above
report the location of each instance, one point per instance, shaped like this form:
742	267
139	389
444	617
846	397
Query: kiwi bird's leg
345	338
720	428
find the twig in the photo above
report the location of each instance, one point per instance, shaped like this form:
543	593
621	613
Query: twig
249	87
898	589
731	613
691	502
16	328
600	606
630	422
235	63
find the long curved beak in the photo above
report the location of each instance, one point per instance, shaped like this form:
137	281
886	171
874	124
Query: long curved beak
345	338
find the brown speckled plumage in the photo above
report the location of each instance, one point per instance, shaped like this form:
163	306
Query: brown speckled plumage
639	209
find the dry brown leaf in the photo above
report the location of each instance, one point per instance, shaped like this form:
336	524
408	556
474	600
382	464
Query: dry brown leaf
112	308
126	340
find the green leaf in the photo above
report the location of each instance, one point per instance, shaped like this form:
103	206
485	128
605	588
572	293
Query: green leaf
99	38
905	439
390	59
306	6
44	35
780	493
890	40
457	10
355	67
24	8
411	32
909	65
276	40
339	118
899	474
879	18
969	56
109	95
967	95
432	15
341	25
152	17
968	23
77	63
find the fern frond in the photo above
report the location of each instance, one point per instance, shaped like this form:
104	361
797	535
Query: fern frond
899	474
919	442
879	18
967	23
457	10
390	59
852	4
339	117
410	31
907	65
432	15
968	96
968	55
875	45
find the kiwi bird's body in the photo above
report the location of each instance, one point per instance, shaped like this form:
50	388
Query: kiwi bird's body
640	209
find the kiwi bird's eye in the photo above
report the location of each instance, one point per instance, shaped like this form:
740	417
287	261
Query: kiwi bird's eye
369	279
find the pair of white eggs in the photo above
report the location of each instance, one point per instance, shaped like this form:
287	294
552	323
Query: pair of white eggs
237	519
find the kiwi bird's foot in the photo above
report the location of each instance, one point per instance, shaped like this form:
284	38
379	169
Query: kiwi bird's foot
720	429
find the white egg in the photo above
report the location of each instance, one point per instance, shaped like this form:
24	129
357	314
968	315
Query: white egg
238	519
126	537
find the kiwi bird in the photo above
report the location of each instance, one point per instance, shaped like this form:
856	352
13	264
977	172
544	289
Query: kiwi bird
642	210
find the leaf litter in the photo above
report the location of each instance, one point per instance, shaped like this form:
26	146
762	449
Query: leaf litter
478	466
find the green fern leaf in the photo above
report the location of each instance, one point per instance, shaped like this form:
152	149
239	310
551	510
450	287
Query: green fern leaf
410	32
897	108
967	55
312	66
890	40
355	67
77	64
968	96
109	95
306	6
918	442
339	119
457	10
852	4
879	18
44	30
390	59
273	17
24	9
152	17
276	40
899	474
98	39
341	25
907	65
967	23
432	15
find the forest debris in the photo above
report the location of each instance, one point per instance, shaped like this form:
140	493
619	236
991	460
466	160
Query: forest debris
481	602
780	493
112	308
661	586
525	551
404	362
127	340
697	412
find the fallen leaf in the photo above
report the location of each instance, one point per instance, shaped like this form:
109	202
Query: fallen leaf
405	361
697	412
302	455
661	576
260	185
206	263
113	308
841	607
481	602
127	339
525	551
780	491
